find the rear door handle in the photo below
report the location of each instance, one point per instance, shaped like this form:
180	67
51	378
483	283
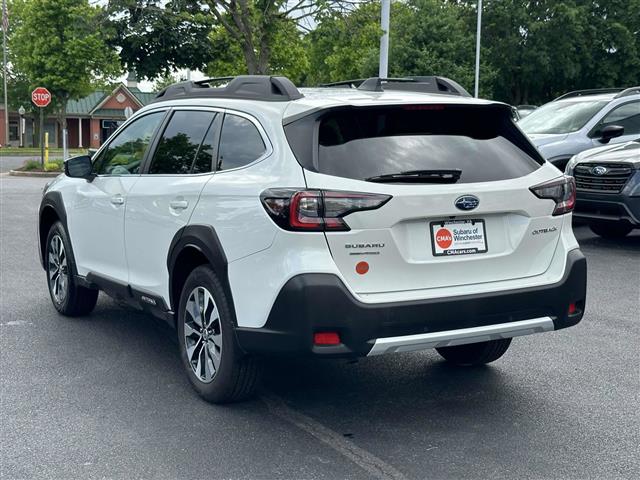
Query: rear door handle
179	204
117	199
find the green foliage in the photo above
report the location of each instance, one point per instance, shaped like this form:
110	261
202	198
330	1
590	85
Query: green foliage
59	44
544	48
31	165
531	51
345	46
288	55
166	80
54	166
156	37
431	37
428	37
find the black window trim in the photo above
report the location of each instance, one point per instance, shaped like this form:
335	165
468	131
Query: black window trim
122	127
594	130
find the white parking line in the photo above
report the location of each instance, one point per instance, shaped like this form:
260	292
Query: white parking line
367	461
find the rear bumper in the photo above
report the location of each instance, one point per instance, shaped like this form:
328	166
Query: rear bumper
311	303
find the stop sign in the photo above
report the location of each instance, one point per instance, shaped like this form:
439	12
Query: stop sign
41	97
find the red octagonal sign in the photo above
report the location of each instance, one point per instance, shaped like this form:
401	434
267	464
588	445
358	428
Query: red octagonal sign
41	97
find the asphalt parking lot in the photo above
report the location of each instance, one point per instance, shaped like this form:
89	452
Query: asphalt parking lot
104	396
12	162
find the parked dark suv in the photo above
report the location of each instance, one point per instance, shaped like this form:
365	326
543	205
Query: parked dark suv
608	188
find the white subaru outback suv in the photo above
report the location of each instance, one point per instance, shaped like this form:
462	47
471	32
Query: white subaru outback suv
262	219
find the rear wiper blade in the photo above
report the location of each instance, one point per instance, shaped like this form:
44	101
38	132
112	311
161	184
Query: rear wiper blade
419	176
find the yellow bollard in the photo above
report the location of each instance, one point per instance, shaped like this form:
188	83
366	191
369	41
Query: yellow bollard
46	147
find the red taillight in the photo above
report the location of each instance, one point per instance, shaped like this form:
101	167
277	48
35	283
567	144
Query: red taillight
572	308
317	210
326	338
562	191
305	210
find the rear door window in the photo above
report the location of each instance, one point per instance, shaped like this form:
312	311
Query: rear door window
186	145
361	143
240	143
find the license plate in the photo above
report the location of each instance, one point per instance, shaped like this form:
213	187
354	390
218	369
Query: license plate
458	237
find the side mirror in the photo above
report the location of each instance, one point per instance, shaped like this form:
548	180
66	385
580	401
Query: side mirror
609	132
79	167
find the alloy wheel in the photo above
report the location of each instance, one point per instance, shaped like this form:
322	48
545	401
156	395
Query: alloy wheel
203	334
58	269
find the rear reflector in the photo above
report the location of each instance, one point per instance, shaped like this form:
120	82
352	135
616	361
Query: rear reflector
326	338
362	268
572	308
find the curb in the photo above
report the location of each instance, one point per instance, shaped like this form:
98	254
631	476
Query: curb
19	173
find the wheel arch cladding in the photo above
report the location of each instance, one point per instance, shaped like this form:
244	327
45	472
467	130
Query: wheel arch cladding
51	211
192	246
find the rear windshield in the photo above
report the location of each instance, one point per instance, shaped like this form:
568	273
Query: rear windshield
361	143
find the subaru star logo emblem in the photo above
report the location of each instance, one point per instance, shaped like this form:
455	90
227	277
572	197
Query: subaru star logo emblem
467	202
599	170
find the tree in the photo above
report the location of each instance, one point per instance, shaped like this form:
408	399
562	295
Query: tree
542	49
346	46
156	38
432	37
59	44
428	37
256	26
166	80
288	56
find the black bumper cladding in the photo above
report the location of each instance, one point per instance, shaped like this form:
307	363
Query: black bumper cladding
311	303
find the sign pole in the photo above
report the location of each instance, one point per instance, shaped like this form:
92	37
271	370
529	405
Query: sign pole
42	138
41	97
383	68
5	25
478	32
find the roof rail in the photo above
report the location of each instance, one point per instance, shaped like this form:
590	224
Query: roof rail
424	84
249	87
591	91
629	91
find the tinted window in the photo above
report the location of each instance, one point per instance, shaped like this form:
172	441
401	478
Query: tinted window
240	143
184	143
361	143
627	116
124	154
561	117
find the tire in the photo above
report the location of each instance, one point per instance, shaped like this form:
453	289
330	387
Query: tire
68	297
475	353
611	230
221	373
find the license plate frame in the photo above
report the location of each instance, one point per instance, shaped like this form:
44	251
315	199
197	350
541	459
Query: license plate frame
473	246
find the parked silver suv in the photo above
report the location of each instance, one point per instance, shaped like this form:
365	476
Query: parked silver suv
583	119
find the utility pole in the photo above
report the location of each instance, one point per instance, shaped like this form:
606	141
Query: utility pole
477	85
5	26
384	40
